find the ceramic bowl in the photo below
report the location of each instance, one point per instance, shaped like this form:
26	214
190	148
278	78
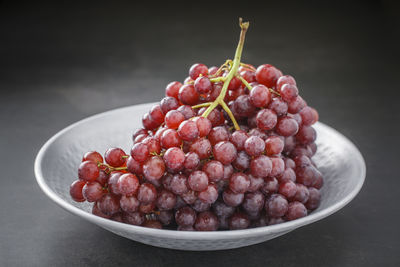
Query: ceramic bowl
340	162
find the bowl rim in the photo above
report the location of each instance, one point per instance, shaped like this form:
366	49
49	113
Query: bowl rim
190	235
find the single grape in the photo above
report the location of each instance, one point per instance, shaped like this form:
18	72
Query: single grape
200	206
134	218
260	96
274	145
93	156
192	161
147	193
225	152
296	105
187	111
154	168
109	204
96	211
287	175
314	198
129	203
173	119
270	186
174	159
168	103
260	166
203	85
231	198
185	216
112	182
140	152
254	146
127	184
287	126
188	95
115	157
153	145
253	202
189	197
188	130
203	125
276	206
156	114
239	182
75	190
134	166
214	170
255	183
268	75
218	134
148	122
319	182
238	138
239	221
206	221
170	138
242	161
288	189
198	181
228	171
92	191
198	69
202	147
289	163
306	135
172	89
266	119
88	171
306	175
166	200
243	106
302	161
302	193
296	210
209	195
278	106
278	166
309	116
289	92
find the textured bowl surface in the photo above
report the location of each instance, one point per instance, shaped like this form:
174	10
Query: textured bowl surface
340	162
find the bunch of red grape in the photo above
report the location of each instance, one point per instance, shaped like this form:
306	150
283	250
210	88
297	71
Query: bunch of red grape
199	164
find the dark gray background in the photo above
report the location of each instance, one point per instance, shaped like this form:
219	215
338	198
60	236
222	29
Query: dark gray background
61	63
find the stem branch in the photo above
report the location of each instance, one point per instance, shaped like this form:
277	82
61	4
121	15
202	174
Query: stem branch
232	73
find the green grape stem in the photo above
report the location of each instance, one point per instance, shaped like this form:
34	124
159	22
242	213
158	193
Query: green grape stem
233	68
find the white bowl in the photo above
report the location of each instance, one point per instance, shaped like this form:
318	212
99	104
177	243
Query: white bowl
340	162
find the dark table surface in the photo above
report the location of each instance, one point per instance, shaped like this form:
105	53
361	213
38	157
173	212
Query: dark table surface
61	63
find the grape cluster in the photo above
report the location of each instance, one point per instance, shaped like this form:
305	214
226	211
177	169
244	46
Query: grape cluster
229	148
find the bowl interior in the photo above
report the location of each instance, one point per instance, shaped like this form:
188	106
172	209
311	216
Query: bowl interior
340	162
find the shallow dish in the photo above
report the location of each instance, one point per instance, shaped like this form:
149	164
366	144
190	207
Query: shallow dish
340	162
